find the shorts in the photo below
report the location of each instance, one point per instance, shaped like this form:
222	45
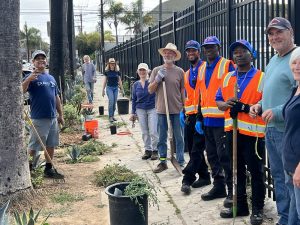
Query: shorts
48	132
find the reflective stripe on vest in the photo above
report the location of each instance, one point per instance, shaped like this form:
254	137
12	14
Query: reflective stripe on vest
227	78
246	127
202	70
192	98
222	67
211	111
261	83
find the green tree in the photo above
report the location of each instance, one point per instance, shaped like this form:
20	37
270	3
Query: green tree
133	20
108	36
87	43
115	12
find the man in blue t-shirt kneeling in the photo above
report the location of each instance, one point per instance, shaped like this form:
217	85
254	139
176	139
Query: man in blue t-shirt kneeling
45	101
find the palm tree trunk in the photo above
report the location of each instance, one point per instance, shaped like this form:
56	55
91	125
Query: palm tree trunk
71	39
116	26
14	169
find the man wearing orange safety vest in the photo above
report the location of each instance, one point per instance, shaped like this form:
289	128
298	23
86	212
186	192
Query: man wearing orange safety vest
247	82
193	139
210	75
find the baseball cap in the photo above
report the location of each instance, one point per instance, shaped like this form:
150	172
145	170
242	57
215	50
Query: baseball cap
244	43
279	23
143	66
38	52
192	44
211	40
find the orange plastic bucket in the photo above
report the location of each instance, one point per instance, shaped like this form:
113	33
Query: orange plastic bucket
91	127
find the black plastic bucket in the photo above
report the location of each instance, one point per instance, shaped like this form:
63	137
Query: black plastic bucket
113	129
123	106
124	211
101	110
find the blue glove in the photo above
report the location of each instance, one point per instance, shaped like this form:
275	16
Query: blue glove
182	119
198	127
160	75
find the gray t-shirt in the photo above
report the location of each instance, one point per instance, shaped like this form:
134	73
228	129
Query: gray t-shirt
174	79
88	72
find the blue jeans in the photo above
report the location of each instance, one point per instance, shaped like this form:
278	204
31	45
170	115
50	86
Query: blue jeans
295	200
148	123
89	87
163	136
274	145
112	94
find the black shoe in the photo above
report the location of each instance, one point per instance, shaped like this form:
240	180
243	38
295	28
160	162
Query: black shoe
114	119
228	201
186	189
256	217
228	213
215	192
201	183
154	155
147	155
53	174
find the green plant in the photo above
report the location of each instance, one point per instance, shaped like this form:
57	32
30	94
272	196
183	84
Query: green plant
3	215
37	177
138	188
93	147
74	153
29	219
87	111
111	174
78	97
70	116
89	158
65	197
126	87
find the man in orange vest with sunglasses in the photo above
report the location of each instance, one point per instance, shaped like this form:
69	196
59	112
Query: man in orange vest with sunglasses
193	139
246	83
210	75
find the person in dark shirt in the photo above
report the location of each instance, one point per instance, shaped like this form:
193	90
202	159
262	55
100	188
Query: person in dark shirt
111	82
291	151
45	102
143	107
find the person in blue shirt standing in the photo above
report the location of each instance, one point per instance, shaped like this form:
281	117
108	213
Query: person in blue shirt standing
111	82
143	107
45	102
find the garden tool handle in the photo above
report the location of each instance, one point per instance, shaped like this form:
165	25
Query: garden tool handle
167	109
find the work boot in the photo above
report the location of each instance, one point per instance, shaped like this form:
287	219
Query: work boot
201	182
146	155
228	201
215	192
154	155
185	188
256	217
242	210
53	174
160	167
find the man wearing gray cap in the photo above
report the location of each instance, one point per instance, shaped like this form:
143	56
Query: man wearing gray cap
45	104
278	86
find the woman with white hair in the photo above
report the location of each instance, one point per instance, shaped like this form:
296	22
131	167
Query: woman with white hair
111	82
291	152
143	107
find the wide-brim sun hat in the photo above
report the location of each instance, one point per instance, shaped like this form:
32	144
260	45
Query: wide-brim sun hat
172	47
111	60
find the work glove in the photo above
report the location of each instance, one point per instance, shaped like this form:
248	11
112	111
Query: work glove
160	75
198	127
182	119
238	107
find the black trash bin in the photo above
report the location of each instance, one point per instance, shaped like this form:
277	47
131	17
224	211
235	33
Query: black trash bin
101	110
123	106
124	211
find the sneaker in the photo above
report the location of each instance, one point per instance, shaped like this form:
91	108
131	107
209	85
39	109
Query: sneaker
114	119
111	120
154	155
186	189
228	213
201	183
53	174
146	155
256	217
160	167
228	201
215	192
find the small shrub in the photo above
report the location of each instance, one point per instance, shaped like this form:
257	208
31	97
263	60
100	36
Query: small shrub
74	153
29	218
70	116
126	87
93	147
111	174
37	177
89	158
78	98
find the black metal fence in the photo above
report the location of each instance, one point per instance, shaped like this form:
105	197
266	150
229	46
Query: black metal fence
228	19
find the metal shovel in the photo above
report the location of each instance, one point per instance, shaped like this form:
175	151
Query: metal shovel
170	131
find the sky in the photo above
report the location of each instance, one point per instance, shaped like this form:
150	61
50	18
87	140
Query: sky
36	14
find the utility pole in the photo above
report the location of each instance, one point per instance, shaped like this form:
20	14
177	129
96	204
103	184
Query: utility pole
160	10
27	41
102	36
140	6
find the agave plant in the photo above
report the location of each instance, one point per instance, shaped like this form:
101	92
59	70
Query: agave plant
74	153
29	218
3	215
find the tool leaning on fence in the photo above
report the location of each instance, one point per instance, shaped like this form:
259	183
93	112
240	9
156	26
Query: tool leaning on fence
58	176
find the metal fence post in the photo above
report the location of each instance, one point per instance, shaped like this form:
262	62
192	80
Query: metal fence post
149	46
159	39
195	19
295	19
231	25
174	27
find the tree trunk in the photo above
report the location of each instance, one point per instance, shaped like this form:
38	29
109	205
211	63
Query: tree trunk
14	169
57	62
71	39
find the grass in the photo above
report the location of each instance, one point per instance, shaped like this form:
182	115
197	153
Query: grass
111	174
64	197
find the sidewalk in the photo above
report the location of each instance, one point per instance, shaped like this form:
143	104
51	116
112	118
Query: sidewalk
175	208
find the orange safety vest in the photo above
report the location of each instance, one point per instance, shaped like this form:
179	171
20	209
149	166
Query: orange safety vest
192	95
208	95
251	95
